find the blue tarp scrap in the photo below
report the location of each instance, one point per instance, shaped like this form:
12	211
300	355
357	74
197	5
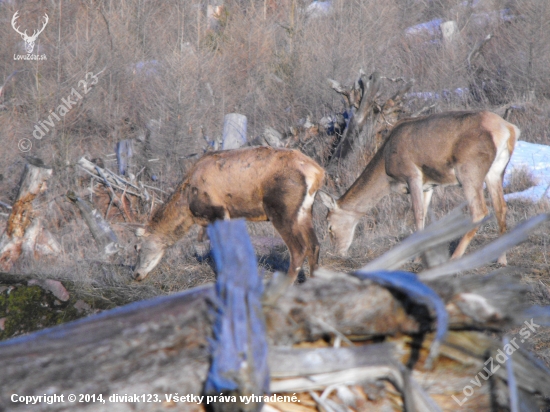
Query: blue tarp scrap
419	293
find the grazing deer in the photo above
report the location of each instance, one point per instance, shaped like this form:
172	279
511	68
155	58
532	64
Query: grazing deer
257	183
452	148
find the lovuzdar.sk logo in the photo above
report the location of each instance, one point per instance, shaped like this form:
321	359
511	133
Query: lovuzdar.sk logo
29	40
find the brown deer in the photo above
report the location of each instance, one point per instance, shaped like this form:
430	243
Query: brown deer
453	148
256	183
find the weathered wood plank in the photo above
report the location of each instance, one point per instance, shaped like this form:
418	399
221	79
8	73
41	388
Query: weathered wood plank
239	347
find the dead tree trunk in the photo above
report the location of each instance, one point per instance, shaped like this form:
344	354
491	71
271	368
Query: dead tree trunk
24	233
360	99
365	111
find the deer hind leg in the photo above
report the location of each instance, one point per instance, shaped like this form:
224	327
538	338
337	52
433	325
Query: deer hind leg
305	226
494	179
290	232
494	186
297	247
473	189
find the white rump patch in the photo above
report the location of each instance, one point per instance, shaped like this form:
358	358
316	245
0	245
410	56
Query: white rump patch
501	160
308	201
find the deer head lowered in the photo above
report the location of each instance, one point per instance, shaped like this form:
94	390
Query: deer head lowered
257	183
452	148
29	40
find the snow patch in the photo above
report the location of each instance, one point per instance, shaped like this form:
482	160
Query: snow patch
430	28
319	9
535	158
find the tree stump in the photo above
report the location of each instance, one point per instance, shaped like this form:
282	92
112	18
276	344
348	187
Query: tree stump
124	154
234	131
24	232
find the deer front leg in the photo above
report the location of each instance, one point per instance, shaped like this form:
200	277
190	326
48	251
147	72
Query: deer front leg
417	200
427	199
312	245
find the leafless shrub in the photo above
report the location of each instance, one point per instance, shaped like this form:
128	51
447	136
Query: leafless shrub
520	180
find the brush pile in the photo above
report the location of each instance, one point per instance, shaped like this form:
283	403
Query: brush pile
376	339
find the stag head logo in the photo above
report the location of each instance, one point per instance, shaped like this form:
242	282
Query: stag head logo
29	40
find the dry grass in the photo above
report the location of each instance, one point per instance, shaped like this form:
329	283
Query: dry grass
520	180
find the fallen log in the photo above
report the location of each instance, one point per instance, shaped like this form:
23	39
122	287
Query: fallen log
161	346
105	238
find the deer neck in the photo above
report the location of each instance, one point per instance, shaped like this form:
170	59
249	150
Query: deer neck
174	219
368	189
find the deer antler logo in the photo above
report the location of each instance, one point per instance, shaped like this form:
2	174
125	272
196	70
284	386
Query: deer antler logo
29	40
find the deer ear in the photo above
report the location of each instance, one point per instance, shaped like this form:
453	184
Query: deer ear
328	200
